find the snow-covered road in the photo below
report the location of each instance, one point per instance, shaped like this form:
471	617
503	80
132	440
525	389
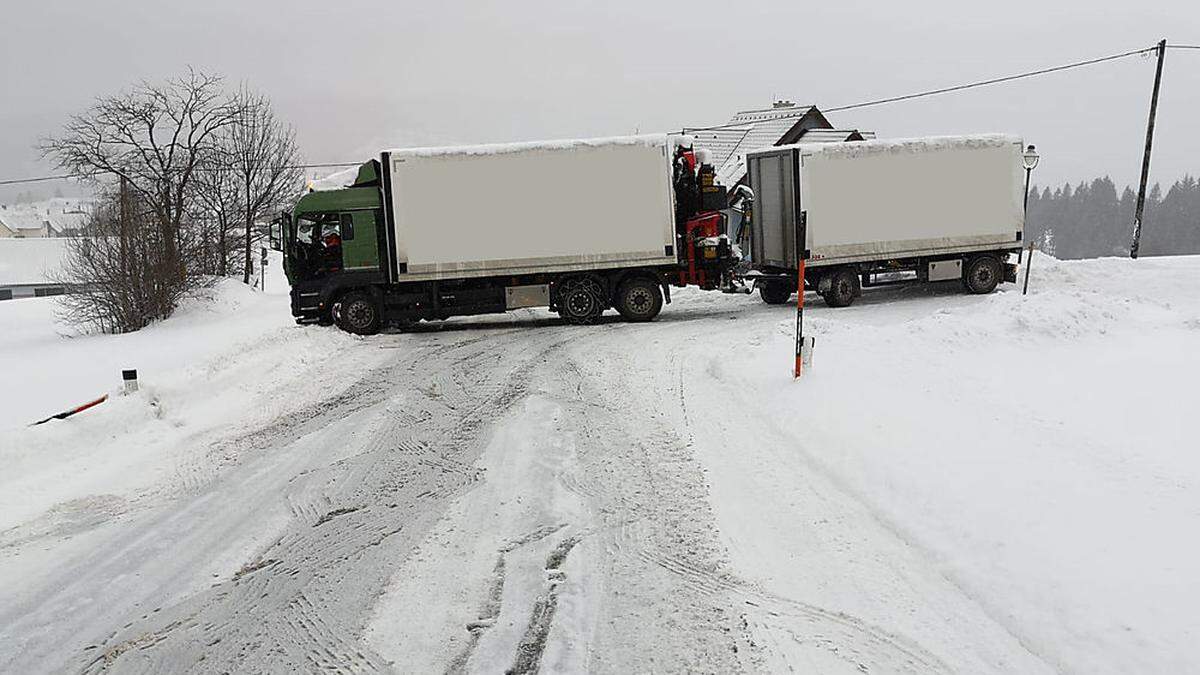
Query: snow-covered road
961	484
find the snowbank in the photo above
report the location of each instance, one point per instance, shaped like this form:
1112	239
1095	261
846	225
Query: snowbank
228	359
1036	452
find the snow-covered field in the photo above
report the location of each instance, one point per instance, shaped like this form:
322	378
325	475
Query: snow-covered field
960	484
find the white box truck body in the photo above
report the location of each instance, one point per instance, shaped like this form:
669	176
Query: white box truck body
933	207
530	207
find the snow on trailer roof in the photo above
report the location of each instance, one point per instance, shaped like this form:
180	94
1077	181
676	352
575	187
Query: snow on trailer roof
561	144
896	145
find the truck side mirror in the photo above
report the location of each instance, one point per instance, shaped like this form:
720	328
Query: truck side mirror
279	226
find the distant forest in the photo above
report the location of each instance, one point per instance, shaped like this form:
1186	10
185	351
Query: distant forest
1091	220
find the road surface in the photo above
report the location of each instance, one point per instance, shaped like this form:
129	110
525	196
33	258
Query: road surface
505	495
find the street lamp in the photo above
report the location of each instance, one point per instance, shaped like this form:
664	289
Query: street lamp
1030	159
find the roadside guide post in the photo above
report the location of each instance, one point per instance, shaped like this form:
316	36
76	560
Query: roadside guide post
803	346
262	270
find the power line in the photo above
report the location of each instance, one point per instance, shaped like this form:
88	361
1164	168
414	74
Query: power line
40	179
853	106
996	80
945	90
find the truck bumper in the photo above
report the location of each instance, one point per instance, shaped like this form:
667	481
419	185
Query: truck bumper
309	303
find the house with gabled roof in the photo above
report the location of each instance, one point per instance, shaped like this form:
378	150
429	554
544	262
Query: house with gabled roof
781	124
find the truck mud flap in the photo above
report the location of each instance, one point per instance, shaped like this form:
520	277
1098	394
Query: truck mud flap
1010	273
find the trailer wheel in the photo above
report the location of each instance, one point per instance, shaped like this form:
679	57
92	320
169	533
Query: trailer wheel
844	287
775	292
639	299
580	300
982	274
358	313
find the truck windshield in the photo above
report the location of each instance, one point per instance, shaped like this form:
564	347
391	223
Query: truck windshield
315	227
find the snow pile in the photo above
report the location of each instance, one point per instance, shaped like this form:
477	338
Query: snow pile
1023	467
228	359
334	181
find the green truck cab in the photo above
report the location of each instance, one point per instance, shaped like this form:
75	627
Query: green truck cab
332	240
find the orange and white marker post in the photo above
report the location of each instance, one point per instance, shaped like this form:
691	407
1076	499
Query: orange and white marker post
799	368
802	353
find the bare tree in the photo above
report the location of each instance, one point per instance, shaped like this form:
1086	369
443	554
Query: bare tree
202	167
154	137
261	152
109	268
218	210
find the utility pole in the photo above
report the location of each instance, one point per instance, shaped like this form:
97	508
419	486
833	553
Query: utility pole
1141	198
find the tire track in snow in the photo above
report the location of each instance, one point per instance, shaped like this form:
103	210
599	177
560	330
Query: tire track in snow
299	605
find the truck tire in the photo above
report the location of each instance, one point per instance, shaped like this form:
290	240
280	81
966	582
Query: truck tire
639	299
981	274
580	300
775	292
844	287
358	312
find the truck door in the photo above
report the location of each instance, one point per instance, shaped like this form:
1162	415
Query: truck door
360	249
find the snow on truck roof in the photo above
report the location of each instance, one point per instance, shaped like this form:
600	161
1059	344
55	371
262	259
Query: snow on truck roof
346	177
652	140
895	145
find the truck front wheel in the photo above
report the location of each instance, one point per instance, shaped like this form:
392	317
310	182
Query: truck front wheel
639	299
775	292
981	275
358	313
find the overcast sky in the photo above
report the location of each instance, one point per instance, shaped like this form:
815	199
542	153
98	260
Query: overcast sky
355	77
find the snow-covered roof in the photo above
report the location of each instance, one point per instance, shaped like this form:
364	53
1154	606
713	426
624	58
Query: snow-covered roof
337	180
834	135
896	145
59	213
30	261
748	130
561	144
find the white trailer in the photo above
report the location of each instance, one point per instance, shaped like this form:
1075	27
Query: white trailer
883	212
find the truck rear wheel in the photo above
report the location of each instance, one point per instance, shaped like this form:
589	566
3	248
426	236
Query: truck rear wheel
358	313
639	299
580	300
844	287
775	292
981	274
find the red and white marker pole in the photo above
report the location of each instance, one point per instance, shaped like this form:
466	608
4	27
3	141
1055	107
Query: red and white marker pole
67	413
801	240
